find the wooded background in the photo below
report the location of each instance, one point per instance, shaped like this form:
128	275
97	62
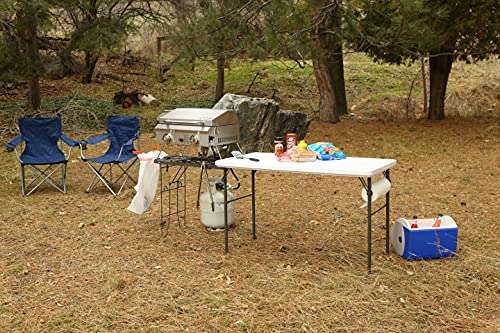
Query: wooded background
58	38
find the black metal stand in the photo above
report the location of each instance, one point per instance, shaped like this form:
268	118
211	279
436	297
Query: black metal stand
368	186
226	202
176	186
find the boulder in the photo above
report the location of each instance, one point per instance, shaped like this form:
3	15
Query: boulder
261	121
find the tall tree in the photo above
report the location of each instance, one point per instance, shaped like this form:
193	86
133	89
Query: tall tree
312	29
328	60
218	30
98	27
398	31
21	24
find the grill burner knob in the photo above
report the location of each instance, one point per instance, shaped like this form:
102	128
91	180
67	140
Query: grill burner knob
195	139
168	138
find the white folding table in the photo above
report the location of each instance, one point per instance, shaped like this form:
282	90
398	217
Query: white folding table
358	167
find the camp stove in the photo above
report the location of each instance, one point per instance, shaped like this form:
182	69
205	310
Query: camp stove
215	133
212	130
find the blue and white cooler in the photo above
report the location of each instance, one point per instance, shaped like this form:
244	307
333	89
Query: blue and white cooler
422	239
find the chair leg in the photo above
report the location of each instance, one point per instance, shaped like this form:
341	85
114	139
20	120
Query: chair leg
125	171
63	177
23	188
45	176
93	182
101	178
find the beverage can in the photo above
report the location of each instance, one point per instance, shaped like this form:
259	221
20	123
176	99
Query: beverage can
291	140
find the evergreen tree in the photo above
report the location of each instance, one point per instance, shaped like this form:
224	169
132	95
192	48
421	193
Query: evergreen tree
100	27
21	25
216	29
398	31
313	29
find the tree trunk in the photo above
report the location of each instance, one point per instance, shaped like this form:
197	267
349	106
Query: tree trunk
439	68
424	83
325	89
337	73
219	88
90	64
328	62
32	53
34	98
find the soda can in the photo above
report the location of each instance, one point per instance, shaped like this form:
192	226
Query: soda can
291	140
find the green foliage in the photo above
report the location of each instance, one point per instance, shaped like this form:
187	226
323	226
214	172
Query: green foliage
399	30
21	24
216	28
77	112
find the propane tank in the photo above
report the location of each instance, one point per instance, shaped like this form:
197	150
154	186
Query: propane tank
212	205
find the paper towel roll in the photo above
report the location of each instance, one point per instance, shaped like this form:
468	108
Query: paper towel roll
397	236
379	189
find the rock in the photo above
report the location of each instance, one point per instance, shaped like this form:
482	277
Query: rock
261	120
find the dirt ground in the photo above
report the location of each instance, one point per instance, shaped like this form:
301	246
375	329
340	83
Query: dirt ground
82	263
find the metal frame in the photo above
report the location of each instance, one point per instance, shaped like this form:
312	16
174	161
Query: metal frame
179	181
366	184
44	174
109	183
176	184
226	202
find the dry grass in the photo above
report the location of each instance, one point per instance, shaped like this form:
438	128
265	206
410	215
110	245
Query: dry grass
305	272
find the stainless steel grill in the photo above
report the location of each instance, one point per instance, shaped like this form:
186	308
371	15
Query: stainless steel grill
210	129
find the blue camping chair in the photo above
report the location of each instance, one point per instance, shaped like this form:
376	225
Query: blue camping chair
121	134
41	152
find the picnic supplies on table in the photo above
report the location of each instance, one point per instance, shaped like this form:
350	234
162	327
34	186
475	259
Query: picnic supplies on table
240	155
290	140
379	189
147	182
326	151
279	148
424	241
41	137
301	155
121	133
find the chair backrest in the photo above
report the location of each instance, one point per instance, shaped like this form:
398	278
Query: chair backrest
121	130
41	135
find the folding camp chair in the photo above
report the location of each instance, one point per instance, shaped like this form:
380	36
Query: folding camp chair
41	152
122	132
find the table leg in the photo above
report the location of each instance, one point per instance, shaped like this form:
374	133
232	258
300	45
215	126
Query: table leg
369	194
387	213
254	234
226	227
161	198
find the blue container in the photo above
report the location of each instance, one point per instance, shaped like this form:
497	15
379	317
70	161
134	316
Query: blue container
425	241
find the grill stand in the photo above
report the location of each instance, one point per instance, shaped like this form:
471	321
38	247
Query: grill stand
175	187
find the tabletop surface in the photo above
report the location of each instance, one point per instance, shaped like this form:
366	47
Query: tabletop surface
349	167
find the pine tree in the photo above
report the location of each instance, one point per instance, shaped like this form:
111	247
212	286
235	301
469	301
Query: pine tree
21	25
398	31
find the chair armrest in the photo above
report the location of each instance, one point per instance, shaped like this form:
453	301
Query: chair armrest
128	143
12	144
69	141
96	139
131	141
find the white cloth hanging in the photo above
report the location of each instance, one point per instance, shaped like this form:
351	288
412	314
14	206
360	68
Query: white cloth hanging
149	171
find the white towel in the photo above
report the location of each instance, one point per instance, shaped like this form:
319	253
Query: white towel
149	171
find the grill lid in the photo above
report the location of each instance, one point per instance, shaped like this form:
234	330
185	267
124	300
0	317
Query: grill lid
198	117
